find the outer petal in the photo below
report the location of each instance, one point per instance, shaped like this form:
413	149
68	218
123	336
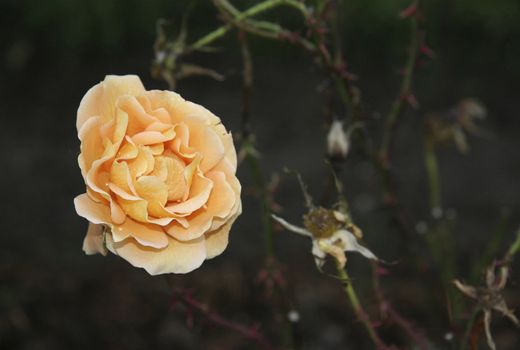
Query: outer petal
177	257
217	241
115	86
91	144
96	213
93	242
89	105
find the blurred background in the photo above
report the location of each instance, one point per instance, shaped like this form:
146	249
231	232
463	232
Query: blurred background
52	296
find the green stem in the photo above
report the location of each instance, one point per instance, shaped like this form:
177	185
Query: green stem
358	308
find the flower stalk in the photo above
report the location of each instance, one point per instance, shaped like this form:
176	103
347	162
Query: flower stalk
358	307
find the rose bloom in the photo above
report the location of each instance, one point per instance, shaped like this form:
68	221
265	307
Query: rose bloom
161	190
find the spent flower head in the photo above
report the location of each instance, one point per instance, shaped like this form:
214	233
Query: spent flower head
330	235
490	297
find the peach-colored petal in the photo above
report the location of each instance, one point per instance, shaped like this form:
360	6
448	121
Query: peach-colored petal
91	144
116	212
115	87
89	105
177	257
217	241
199	223
220	204
153	190
205	140
157	149
122	193
143	164
199	193
96	213
226	168
137	210
145	234
170	170
153	137
158	126
230	153
139	118
222	197
121	177
93	242
162	115
128	150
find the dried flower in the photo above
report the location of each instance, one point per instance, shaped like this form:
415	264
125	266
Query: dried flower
490	297
330	234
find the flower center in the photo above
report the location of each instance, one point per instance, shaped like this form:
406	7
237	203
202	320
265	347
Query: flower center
321	222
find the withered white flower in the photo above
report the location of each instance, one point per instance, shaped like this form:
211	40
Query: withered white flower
330	234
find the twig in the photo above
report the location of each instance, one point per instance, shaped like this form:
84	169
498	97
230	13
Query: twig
405	93
250	333
251	12
387	308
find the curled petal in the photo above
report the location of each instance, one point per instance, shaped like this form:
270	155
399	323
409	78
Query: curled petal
291	227
351	244
145	234
96	213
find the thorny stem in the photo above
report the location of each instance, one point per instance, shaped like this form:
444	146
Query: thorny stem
405	91
358	308
250	333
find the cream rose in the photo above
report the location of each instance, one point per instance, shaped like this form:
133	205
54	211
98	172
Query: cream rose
161	190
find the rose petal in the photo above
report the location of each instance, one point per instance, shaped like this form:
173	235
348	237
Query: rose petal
139	118
91	144
153	137
206	141
217	241
115	87
96	213
89	105
145	234
176	257
199	193
93	242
